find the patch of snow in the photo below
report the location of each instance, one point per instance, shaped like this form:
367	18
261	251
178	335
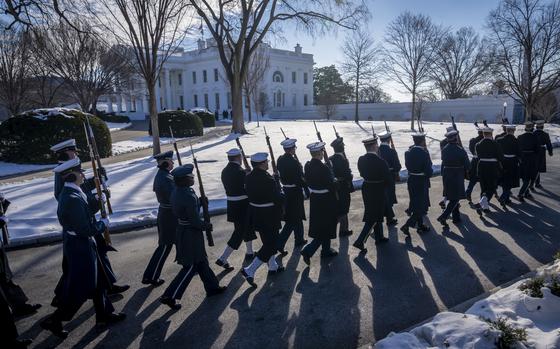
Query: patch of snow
138	143
117	126
9	169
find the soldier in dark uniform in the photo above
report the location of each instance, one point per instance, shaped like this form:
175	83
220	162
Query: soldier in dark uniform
473	176
490	159
454	165
191	253
505	123
545	146
265	215
377	177
323	205
67	151
419	166
510	164
233	180
166	221
392	158
13	292
444	201
528	169
291	176
85	277
343	175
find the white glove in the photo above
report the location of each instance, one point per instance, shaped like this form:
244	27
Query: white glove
103	197
105	221
4	219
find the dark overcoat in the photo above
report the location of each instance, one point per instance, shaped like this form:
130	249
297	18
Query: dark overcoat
166	220
529	148
189	239
266	201
392	158
291	176
510	164
233	179
377	177
454	165
474	160
544	146
343	175
419	165
489	162
323	207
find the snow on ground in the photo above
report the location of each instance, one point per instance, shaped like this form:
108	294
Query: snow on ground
33	209
137	143
117	126
539	316
9	169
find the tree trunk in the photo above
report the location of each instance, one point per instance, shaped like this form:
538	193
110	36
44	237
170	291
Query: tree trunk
413	108
152	106
356	115
528	112
237	125
249	110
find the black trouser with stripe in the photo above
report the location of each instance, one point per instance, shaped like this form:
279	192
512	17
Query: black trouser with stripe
313	246
239	232
415	220
178	286
377	231
153	270
9	330
452	208
102	305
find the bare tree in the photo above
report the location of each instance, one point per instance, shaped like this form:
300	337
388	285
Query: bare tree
526	35
374	94
361	63
33	12
262	104
547	107
90	69
410	52
152	30
462	62
260	62
239	27
15	72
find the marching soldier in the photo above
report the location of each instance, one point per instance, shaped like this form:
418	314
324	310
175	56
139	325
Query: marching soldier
265	215
233	179
166	222
9	331
343	175
505	123
473	176
528	169
442	144
13	293
85	277
510	174
322	206
377	177
65	151
545	146
291	176
392	158
490	159
191	253
419	166
454	165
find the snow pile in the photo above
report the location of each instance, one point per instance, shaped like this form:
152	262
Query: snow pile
538	316
9	168
117	126
33	209
43	114
137	143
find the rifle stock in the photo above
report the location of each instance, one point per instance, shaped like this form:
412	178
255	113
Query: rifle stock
272	159
325	155
390	139
455	128
102	179
203	199
175	146
245	162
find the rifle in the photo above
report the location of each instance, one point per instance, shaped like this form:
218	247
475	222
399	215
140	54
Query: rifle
484	123
338	136
176	148
455	128
391	138
245	162
102	177
325	156
203	200
286	137
98	190
5	232
272	159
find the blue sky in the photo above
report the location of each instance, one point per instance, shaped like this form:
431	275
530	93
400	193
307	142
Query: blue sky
451	13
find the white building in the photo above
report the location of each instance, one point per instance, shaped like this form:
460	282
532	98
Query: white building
191	79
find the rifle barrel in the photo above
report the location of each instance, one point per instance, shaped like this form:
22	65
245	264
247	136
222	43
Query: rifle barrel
245	162
175	147
204	200
102	179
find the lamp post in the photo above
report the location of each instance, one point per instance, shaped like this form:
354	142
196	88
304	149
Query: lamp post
504	112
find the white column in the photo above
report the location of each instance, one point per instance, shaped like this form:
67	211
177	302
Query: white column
110	104
145	108
128	103
168	89
159	107
119	103
186	99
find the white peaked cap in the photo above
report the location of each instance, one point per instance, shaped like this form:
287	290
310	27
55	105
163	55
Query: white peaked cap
384	135
487	129
288	143
316	146
259	157
233	152
451	133
510	127
66	144
66	165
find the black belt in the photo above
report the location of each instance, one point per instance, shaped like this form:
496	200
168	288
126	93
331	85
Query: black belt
165	206
184	223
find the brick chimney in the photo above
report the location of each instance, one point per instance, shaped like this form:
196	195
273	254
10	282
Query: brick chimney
297	49
201	44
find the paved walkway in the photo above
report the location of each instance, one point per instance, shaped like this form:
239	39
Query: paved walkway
344	302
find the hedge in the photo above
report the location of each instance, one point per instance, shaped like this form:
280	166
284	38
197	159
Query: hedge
112	117
208	119
27	137
183	123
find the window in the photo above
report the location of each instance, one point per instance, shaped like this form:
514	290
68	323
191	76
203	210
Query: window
159	82
180	79
294	100
216	75
133	104
194	77
181	102
206	100
204	76
161	102
277	77
229	100
305	100
293	77
195	101
305	78
217	100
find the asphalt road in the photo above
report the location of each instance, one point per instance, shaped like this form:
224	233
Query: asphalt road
344	302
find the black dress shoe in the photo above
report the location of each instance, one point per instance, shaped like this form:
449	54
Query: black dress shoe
55	327
408	212
457	221
306	259
19	343
154	283
359	246
116	289
224	265
423	228
346	233
110	319
300	243
249	256
216	291
277	271
442	204
283	253
532	188
381	241
520	198
528	195
250	280
486	210
405	230
538	186
25	309
443	222
329	253
170	302
392	222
